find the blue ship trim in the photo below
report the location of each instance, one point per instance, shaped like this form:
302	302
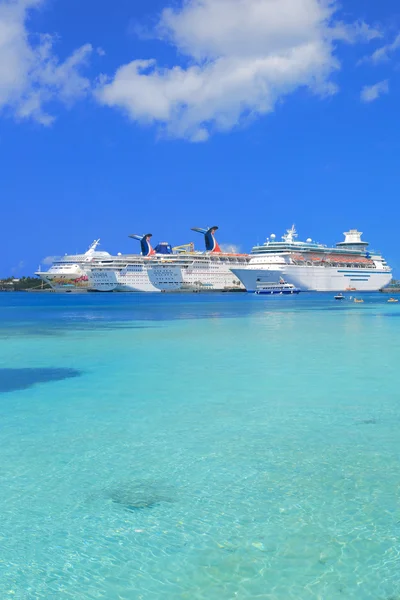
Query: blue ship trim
354	274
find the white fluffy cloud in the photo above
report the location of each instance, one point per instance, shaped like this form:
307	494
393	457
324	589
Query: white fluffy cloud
383	53
30	73
243	56
230	248
48	260
369	93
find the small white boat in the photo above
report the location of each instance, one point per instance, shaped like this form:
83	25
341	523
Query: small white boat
339	297
277	288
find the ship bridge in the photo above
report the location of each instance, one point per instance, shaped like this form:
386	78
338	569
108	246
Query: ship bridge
353	241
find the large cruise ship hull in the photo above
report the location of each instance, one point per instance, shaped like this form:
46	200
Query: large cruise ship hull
135	279
316	278
165	278
66	283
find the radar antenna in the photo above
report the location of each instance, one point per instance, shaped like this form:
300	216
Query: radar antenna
291	235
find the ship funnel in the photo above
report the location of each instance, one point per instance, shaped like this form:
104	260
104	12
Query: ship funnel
211	242
145	243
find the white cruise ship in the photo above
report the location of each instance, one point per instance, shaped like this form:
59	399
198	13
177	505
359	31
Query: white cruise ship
313	267
70	272
167	269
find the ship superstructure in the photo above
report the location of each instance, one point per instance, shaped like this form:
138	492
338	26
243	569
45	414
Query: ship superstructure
311	266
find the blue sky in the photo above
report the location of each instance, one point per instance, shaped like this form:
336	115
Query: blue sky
126	117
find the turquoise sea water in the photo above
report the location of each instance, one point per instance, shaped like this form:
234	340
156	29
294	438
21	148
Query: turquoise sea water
199	447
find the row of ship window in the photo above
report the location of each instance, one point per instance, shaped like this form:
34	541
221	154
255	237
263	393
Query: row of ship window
338	265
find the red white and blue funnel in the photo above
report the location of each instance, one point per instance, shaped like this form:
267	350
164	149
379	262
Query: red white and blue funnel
211	242
145	244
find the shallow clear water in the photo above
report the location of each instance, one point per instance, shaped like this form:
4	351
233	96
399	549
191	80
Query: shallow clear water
199	447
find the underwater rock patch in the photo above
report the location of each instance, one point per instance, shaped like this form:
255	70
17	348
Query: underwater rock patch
138	495
12	380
